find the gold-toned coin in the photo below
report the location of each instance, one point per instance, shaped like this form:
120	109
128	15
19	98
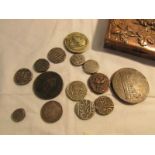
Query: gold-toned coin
130	85
76	42
77	59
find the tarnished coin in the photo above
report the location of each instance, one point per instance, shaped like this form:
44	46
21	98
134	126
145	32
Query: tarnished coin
51	111
18	115
48	85
84	109
77	59
41	65
76	90
98	83
103	105
91	66
56	55
76	42
130	85
23	76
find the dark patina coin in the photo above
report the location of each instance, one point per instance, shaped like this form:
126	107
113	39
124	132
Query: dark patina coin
51	111
18	115
48	85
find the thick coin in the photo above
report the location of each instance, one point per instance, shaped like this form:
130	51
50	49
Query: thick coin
76	90
98	83
56	55
77	59
130	85
76	42
23	76
48	85
84	109
18	115
51	111
103	105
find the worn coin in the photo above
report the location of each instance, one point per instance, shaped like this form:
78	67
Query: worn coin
103	105
51	111
76	90
18	115
23	76
56	55
84	109
130	85
77	59
76	42
98	83
48	85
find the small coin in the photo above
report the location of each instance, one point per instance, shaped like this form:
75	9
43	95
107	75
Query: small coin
103	105
51	111
41	65
76	90
76	42
56	55
18	115
91	66
84	109
98	83
130	85
23	76
48	85
77	59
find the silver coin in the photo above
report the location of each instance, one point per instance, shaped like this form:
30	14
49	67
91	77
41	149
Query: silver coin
77	59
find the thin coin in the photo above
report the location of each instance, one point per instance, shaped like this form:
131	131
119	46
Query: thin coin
51	111
103	105
48	85
77	59
130	85
18	115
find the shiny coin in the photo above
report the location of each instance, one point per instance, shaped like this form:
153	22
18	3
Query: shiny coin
51	111
48	85
77	59
130	85
23	76
76	42
18	115
98	83
76	90
84	109
103	105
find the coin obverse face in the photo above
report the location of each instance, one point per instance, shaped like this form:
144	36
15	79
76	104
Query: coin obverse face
77	59
18	115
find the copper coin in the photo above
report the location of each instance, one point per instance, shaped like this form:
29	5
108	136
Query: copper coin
98	83
51	111
18	115
77	59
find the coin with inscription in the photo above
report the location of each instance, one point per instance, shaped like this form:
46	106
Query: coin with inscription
77	59
130	85
103	105
51	111
84	109
18	115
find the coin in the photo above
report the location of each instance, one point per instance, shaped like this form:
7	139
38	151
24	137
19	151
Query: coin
130	85
91	66
56	55
51	111
76	42
98	83
77	59
18	115
23	76
103	105
76	90
48	85
41	65
84	109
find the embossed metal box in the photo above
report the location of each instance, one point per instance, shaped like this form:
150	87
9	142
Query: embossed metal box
135	36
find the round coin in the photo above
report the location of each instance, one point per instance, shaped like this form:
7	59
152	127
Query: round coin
18	115
76	42
76	90
84	109
77	59
23	76
48	85
103	105
51	111
130	85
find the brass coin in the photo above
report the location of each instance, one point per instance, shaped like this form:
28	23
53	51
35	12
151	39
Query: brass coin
18	115
130	85
103	105
76	90
77	59
76	42
51	111
84	109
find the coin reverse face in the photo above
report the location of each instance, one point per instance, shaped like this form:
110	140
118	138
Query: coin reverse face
18	115
77	59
